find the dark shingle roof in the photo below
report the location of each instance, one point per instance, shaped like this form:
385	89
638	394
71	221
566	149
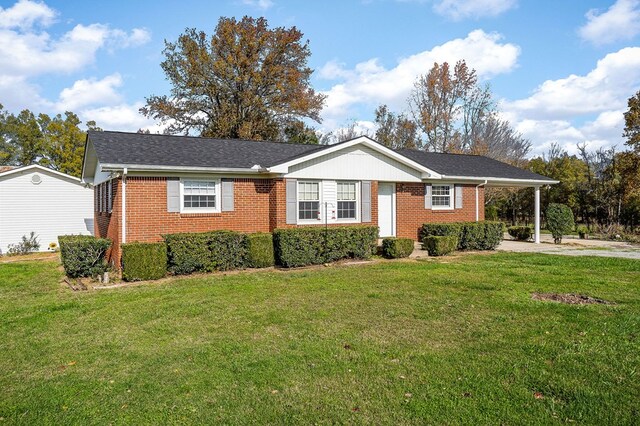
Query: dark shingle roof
141	149
187	151
469	165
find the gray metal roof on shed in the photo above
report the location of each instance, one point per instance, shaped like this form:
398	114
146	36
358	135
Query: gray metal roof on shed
131	149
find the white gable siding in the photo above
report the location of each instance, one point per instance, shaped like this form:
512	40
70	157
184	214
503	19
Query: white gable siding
354	163
100	176
56	206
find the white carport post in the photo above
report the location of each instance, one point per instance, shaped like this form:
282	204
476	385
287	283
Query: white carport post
537	216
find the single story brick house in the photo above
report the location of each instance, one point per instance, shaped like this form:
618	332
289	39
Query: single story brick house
147	185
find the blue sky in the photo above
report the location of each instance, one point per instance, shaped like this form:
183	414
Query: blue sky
561	70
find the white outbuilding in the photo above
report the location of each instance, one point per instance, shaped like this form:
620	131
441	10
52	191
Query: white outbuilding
45	201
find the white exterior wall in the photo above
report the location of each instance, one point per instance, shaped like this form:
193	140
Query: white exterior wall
355	163
55	206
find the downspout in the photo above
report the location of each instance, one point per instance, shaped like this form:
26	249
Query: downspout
123	221
477	200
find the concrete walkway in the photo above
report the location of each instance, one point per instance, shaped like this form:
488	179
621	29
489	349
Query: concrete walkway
571	246
574	247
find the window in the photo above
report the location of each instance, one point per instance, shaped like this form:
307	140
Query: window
200	195
346	200
442	197
308	200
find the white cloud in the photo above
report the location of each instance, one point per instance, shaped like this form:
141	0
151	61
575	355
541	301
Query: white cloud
25	14
461	9
606	87
30	53
259	4
620	22
557	110
90	92
370	83
123	117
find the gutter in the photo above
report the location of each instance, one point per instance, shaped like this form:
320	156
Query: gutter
477	201
123	220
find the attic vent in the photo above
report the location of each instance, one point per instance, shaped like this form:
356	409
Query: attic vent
36	179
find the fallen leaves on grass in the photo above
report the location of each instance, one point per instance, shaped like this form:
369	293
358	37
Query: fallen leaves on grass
569	298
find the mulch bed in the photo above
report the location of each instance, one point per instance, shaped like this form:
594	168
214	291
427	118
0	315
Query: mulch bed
570	299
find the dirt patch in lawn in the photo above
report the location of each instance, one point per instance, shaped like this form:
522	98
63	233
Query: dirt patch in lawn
570	299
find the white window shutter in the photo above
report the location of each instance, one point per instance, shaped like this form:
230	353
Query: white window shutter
427	196
173	195
292	201
227	195
365	196
458	196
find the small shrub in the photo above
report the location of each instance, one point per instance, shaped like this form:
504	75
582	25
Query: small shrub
83	255
491	213
25	246
315	245
395	248
260	250
440	245
205	251
484	235
520	233
144	261
583	232
559	221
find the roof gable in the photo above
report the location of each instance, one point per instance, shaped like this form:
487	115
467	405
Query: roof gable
8	174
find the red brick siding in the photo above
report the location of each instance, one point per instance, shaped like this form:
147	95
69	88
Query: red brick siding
148	218
107	225
411	214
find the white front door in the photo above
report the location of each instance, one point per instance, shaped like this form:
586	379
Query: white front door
387	209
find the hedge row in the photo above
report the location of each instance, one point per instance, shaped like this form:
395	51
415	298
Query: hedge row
144	261
440	245
484	235
83	255
205	251
395	248
520	233
312	246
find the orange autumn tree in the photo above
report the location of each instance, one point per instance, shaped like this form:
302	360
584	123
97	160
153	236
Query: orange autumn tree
245	81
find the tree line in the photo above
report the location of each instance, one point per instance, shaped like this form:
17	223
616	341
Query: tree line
250	81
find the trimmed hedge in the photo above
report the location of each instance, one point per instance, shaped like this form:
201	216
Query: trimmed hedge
144	261
440	245
395	248
520	233
205	251
83	255
312	246
485	235
259	250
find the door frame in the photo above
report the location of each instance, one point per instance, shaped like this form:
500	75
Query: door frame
393	208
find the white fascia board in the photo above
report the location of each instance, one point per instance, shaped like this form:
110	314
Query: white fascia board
495	181
363	140
42	169
186	169
88	150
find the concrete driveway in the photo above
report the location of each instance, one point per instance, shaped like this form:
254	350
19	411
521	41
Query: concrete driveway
572	246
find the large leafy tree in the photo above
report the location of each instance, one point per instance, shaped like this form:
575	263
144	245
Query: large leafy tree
55	142
395	130
245	81
632	122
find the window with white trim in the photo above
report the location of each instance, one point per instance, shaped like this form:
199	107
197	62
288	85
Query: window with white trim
308	200
199	195
347	200
442	197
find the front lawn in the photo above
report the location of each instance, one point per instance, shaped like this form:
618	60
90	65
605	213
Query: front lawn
449	341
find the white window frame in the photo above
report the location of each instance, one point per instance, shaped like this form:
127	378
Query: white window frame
217	188
320	189
452	191
357	200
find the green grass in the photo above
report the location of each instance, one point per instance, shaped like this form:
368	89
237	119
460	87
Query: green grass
450	341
